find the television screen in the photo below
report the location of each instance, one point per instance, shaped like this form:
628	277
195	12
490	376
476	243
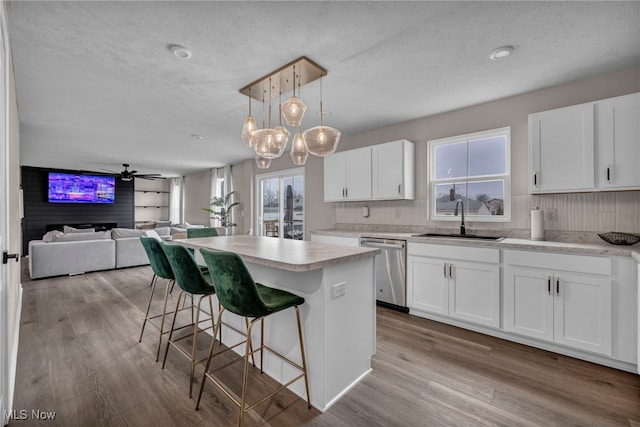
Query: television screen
70	188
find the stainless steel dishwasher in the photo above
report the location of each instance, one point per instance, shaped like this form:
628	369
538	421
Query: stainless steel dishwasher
390	269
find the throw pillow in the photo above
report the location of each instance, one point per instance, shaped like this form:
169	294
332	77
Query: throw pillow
153	233
68	229
163	231
51	235
148	226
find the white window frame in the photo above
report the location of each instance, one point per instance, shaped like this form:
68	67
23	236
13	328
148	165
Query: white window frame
432	181
258	198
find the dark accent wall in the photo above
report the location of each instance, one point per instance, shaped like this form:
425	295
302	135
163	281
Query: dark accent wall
39	213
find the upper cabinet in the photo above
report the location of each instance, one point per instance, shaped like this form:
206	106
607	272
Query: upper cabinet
618	142
347	175
561	150
393	170
586	147
379	172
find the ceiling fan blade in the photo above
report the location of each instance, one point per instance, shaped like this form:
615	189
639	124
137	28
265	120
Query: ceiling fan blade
131	172
110	171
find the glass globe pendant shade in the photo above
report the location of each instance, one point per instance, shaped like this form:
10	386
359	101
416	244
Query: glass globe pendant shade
322	140
281	136
248	128
265	144
293	110
262	163
299	153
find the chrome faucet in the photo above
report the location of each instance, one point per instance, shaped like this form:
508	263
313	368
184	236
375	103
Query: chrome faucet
455	213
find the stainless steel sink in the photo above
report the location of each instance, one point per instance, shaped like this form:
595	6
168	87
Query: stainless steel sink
459	236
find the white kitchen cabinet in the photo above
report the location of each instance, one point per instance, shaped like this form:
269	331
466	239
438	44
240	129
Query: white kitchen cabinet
566	299
618	142
347	175
561	150
393	170
458	282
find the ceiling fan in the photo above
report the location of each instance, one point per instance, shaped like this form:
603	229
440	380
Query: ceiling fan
127	175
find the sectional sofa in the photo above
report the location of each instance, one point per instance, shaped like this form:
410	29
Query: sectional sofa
80	252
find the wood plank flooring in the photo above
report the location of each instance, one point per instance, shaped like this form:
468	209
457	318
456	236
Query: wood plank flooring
79	356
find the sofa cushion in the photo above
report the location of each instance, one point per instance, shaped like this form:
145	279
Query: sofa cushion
76	237
121	233
66	229
162	231
162	224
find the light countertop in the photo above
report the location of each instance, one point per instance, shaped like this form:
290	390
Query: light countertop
285	254
507	243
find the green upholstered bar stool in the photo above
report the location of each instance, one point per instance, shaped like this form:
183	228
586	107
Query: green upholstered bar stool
202	232
193	282
238	293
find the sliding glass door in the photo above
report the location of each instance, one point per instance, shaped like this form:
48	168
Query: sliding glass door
281	204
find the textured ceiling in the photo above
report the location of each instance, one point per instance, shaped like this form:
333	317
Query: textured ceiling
98	87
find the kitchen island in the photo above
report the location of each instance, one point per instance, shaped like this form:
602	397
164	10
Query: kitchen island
338	316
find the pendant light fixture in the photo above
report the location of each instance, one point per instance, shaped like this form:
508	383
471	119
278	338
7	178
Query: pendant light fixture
262	163
270	143
294	108
249	127
299	153
322	140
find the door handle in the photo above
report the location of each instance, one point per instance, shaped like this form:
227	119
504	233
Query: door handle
6	256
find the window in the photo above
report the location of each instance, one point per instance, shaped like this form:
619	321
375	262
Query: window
281	204
474	169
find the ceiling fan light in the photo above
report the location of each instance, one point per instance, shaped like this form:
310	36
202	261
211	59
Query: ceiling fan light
299	153
293	110
248	128
266	145
262	163
322	140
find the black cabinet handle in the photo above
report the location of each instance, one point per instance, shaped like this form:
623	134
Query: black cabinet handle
549	285
444	270
450	275
608	174
557	286
535	179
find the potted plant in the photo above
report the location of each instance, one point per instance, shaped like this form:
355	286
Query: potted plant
221	210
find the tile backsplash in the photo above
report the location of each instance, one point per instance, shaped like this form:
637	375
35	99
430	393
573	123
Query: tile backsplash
575	216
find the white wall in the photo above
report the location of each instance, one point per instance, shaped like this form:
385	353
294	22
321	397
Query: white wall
197	195
577	212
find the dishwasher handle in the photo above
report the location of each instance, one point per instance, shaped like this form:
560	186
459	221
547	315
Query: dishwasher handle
378	244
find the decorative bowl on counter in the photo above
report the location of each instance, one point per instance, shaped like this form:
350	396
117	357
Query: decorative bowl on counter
616	238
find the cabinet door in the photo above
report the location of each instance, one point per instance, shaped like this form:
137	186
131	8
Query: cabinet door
582	312
618	142
528	302
474	293
427	285
358	173
388	170
334	177
561	149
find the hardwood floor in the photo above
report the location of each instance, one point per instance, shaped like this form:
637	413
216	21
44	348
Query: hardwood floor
79	356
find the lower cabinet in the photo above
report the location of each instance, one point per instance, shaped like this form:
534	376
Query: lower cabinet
565	306
459	282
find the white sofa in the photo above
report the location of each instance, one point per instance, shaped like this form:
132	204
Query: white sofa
75	253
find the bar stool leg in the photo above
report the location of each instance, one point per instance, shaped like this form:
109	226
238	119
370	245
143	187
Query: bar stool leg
245	377
195	347
169	286
154	281
211	350
304	357
173	324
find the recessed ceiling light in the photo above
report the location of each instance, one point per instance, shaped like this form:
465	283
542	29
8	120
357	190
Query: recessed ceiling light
180	51
501	53
196	136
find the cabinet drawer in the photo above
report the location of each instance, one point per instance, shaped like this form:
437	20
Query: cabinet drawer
565	262
466	253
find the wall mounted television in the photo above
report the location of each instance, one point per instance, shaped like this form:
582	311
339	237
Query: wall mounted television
78	188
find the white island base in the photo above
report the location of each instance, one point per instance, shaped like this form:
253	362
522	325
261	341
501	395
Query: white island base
339	329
